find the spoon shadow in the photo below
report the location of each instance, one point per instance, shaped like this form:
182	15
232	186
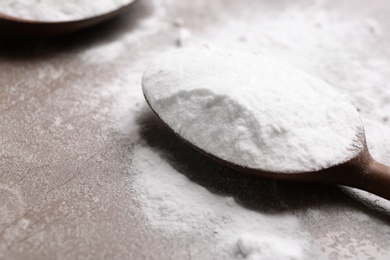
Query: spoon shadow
45	48
253	192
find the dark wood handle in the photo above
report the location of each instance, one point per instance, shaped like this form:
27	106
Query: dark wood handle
375	178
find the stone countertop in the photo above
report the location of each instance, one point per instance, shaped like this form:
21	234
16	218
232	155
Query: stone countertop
71	112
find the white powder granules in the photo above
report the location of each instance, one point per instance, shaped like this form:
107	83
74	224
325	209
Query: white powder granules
173	202
57	10
269	247
247	109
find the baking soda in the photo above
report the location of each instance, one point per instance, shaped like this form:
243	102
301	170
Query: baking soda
57	10
252	111
175	204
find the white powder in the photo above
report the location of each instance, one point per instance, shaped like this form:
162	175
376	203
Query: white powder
57	10
104	53
254	112
173	202
269	247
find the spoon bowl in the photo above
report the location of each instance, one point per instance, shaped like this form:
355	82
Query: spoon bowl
263	118
15	27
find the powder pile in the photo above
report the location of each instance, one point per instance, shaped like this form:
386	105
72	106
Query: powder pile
250	110
57	10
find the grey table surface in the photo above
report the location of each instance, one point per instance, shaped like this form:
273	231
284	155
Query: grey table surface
65	168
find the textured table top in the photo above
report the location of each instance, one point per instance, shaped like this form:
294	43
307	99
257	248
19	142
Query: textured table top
72	111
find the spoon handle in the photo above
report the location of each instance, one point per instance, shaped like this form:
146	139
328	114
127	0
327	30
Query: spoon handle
376	179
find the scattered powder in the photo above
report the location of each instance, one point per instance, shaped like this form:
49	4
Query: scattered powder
184	35
252	111
104	53
269	247
57	10
173	202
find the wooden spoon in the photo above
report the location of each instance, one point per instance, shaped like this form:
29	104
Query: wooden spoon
177	75
16	27
361	172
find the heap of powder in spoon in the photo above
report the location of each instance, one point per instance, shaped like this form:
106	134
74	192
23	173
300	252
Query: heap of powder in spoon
251	111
